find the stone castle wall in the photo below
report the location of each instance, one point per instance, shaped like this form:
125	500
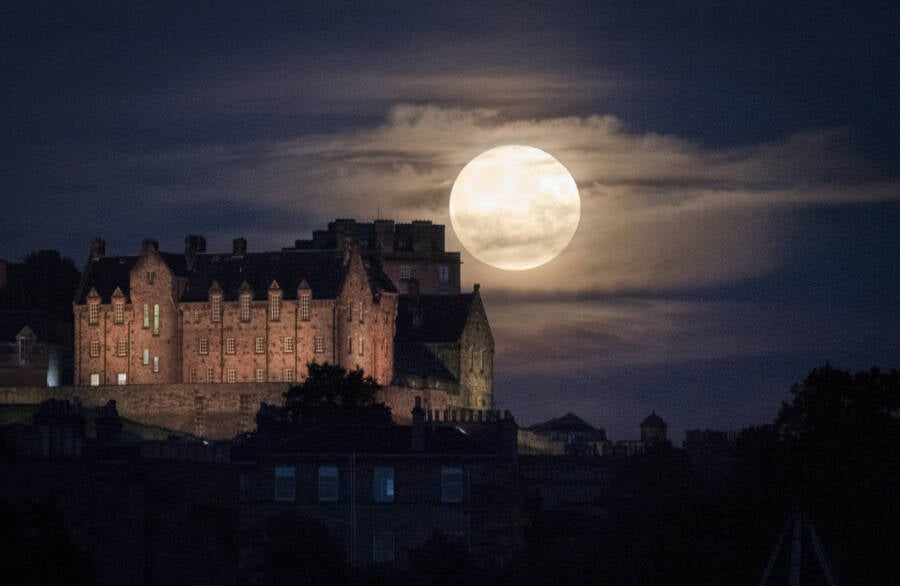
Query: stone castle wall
213	411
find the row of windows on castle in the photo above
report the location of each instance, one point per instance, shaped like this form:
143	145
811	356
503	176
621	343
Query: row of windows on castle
246	303
383	487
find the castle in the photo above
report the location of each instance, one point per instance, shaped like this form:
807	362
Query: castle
379	296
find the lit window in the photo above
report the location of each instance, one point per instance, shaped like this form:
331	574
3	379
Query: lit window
383	547
383	488
120	312
95	379
146	356
229	346
231	375
329	489
146	317
95	348
319	344
193	377
260	375
260	346
210	374
196	316
155	320
451	484
288	375
275	306
245	307
288	344
121	347
360	349
444	274
122	379
216	302
156	364
304	307
204	346
93	313
405	272
285	484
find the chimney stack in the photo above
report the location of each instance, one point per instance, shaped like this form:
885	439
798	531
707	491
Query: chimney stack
239	247
149	244
98	248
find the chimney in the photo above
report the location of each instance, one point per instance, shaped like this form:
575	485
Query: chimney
149	244
418	426
239	247
193	245
98	248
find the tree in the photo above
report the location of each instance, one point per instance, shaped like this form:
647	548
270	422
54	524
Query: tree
45	281
331	391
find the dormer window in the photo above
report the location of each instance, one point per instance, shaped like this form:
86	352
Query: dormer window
119	312
215	302
245	307
93	313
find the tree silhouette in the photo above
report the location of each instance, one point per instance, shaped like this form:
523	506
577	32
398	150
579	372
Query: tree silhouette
331	391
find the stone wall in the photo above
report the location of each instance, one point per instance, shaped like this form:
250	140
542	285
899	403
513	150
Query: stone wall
213	411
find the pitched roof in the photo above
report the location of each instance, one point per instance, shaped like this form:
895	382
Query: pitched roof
432	318
568	422
323	270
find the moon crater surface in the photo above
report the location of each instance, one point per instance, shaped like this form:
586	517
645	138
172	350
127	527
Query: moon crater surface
515	207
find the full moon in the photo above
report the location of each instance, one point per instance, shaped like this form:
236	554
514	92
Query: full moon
515	207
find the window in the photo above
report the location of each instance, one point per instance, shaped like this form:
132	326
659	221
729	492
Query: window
349	311
156	364
245	307
229	346
122	379
288	375
319	344
451	484
146	317
361	308
210	374
231	375
285	484
121	347
193	377
216	303
444	274
120	312
328	484
275	306
204	346
260	346
349	344
405	272
288	344
383	547
95	379
383	486
196	314
155	320
360	349
260	375
482	360
93	313
151	276
95	348
304	307
146	356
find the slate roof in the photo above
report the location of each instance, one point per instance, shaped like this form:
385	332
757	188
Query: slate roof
568	422
442	317
378	439
323	270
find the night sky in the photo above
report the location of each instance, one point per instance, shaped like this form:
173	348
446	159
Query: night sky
738	163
